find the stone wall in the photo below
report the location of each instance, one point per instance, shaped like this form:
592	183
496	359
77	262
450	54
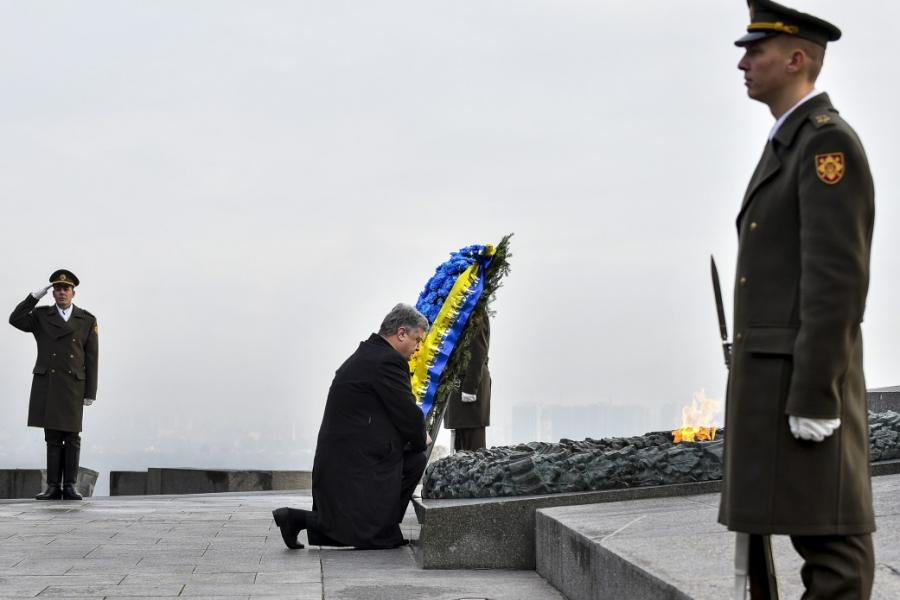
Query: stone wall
204	481
27	483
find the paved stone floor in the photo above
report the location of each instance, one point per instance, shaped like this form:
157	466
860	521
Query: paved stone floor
214	546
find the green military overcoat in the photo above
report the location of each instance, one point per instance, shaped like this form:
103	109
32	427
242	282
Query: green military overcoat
65	372
805	229
473	410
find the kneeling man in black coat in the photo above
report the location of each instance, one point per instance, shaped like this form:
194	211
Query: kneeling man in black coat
370	454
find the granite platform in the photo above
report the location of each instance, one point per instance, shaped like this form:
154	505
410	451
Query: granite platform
215	546
673	549
499	533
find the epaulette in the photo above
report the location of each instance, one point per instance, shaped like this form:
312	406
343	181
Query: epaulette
823	118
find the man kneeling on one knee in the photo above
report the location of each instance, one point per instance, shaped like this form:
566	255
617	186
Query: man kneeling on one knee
370	453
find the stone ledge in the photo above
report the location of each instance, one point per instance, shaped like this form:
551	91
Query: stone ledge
674	549
169	481
27	483
499	533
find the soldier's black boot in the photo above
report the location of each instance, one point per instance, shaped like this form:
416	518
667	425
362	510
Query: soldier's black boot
291	521
54	474
70	471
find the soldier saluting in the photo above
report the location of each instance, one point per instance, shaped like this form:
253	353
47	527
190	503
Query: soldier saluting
796	455
65	377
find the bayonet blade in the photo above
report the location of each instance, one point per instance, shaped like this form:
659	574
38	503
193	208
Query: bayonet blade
720	310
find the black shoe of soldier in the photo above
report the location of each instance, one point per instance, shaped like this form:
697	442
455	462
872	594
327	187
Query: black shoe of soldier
291	522
70	493
53	492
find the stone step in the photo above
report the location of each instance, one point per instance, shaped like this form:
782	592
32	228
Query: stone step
674	549
498	533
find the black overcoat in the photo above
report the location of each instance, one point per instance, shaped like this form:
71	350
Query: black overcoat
805	229
65	372
370	415
476	383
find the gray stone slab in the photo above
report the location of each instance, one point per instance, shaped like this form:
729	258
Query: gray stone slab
644	549
393	574
215	546
66	590
26	483
168	481
127	483
498	533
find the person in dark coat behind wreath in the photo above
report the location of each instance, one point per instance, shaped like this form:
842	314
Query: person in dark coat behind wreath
65	377
469	406
370	454
796	456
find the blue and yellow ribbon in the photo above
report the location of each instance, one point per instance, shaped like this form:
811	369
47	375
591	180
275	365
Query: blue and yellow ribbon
445	330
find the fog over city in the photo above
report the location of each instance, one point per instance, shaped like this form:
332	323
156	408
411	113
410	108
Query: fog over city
245	189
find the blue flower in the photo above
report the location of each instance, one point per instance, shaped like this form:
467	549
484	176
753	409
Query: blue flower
435	292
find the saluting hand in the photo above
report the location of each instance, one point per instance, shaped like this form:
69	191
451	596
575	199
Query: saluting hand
812	430
41	292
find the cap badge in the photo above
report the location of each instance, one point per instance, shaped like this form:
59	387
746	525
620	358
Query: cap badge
830	167
62	277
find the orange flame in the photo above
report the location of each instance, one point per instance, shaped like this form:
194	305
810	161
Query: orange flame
698	423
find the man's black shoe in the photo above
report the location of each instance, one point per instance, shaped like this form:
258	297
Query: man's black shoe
53	492
70	493
291	522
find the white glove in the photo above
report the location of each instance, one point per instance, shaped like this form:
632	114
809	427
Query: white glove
813	430
88	401
38	294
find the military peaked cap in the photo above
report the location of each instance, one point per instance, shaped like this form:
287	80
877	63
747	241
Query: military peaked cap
769	19
65	277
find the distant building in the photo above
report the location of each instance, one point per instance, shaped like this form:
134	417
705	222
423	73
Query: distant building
882	399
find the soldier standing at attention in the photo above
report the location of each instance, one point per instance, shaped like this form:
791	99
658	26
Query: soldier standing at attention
65	377
797	451
469	406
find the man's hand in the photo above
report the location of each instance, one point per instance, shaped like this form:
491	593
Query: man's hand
427	439
88	401
813	430
41	292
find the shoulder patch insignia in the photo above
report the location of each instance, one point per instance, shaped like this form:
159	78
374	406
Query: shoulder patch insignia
830	167
823	119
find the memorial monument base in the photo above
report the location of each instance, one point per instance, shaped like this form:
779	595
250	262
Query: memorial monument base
27	483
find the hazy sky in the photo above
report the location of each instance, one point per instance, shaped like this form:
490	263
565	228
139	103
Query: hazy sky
245	188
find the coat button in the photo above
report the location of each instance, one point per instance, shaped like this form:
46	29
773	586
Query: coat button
71	356
738	337
52	355
753	226
53	370
743	281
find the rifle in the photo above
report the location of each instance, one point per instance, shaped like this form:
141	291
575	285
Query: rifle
753	561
